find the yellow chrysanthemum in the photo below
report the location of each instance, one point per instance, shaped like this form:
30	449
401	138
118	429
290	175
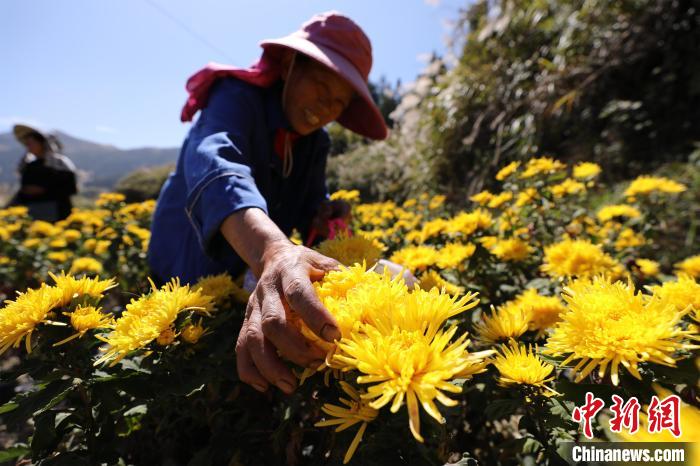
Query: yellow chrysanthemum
567	187
502	324
19	318
142	234
586	170
337	283
608	324
167	337
349	250
467	223
628	238
645	185
58	243
59	256
42	229
613	211
193	332
647	267
394	336
219	287
542	311
85	318
499	199
407	365
506	171
109	198
436	201
14	211
85	264
31	243
510	249
416	258
431	279
432	228
541	166
690	266
683	293
577	258
453	255
421	311
520	365
71	235
357	410
137	210
482	198
72	287
345	195
525	197
150	317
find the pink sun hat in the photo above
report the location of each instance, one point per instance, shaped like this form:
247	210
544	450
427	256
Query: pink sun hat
330	38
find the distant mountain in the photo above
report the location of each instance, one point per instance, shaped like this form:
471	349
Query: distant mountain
101	165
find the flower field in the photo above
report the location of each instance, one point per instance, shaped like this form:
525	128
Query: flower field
526	300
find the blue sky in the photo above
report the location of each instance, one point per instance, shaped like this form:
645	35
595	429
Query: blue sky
114	71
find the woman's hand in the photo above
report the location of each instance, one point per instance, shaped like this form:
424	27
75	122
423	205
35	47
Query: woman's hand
267	336
285	273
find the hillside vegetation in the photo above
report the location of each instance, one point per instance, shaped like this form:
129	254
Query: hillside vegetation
614	82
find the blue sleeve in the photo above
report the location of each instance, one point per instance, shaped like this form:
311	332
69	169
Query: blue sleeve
217	162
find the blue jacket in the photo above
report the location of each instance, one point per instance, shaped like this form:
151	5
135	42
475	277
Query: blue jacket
228	163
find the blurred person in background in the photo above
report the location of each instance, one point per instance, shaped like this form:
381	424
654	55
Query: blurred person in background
47	178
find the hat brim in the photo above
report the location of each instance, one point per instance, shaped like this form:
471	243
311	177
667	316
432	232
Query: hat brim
22	131
362	115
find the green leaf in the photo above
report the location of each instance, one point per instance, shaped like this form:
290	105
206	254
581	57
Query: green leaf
7	407
56	400
499	409
67	459
531	445
528	424
45	438
30	402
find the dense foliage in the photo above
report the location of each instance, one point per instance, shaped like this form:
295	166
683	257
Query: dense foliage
613	82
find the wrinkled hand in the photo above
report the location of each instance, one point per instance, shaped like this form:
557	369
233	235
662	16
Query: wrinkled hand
329	210
266	335
32	190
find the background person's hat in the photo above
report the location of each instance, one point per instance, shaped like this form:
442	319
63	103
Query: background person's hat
335	41
22	131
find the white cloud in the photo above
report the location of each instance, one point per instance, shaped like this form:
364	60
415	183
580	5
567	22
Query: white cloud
432	2
106	129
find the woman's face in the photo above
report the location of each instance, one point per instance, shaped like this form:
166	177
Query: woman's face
34	146
315	96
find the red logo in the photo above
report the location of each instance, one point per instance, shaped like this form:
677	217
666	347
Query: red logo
587	412
663	414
